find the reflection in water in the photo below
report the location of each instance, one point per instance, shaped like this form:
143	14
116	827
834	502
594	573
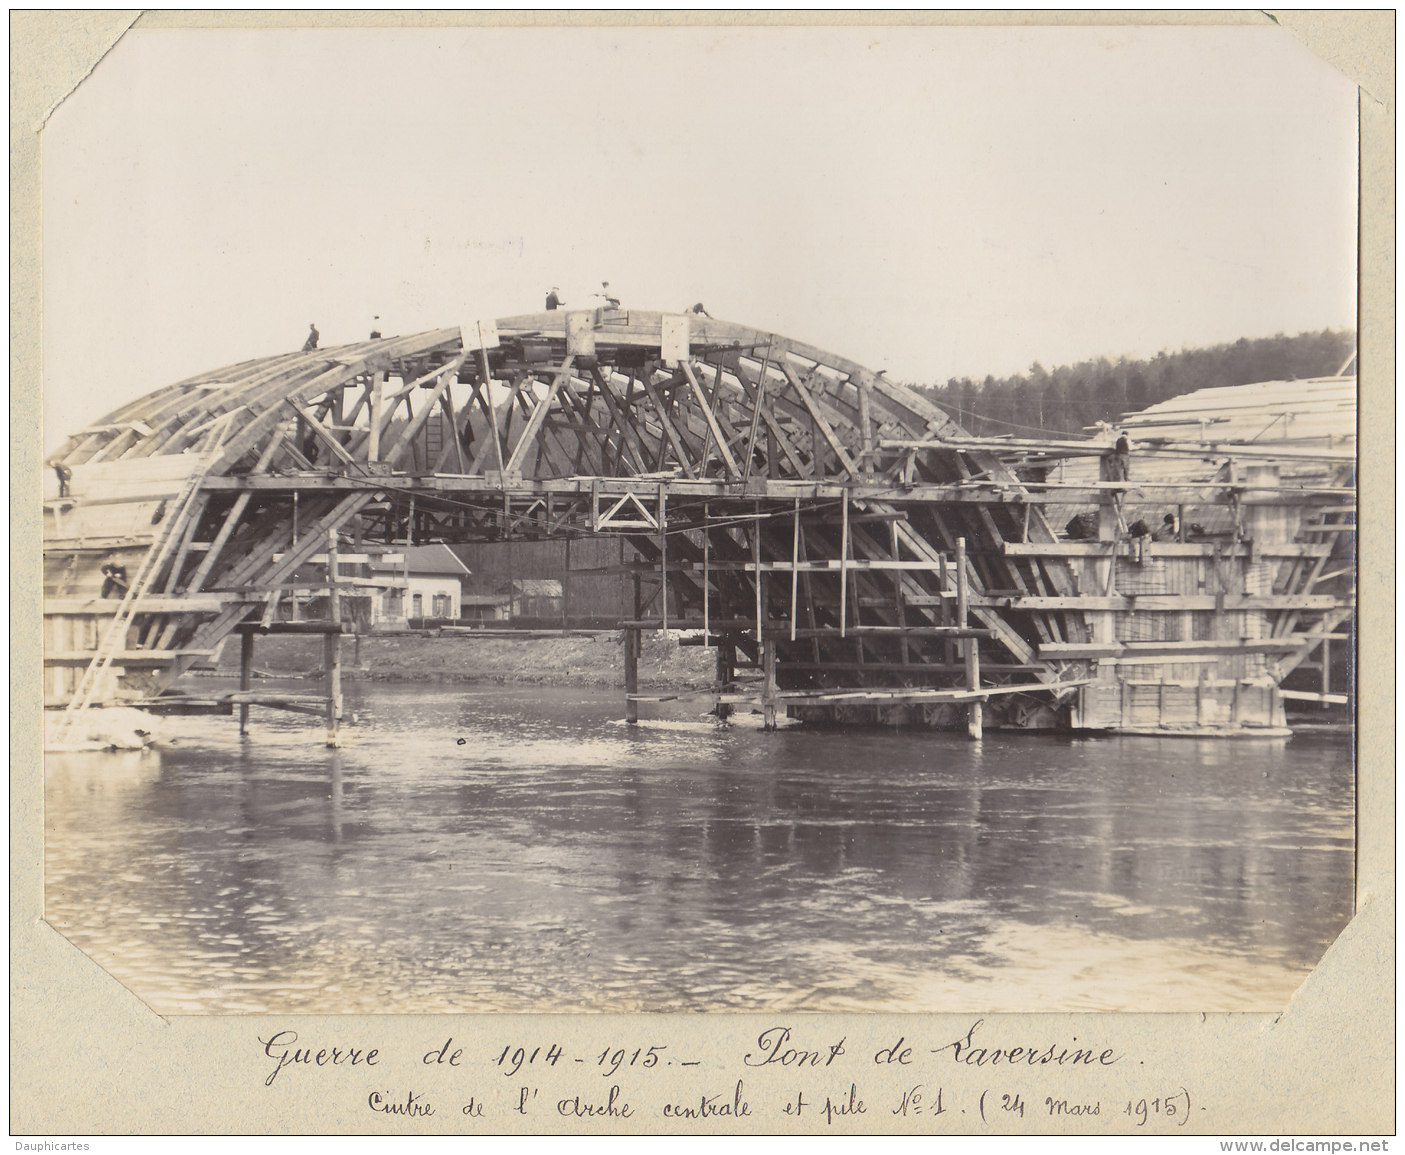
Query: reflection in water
555	859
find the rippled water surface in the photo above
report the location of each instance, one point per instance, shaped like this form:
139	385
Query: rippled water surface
519	849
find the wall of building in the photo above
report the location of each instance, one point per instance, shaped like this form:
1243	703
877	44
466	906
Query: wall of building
433	596
496	565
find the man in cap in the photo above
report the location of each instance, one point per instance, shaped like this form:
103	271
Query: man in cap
114	577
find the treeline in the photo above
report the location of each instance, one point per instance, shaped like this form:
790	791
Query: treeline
1071	397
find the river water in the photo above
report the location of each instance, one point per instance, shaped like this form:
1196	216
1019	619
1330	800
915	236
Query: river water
520	849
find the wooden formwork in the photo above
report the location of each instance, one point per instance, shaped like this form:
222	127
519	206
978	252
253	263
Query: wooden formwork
784	503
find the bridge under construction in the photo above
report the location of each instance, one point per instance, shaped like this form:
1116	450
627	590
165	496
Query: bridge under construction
849	550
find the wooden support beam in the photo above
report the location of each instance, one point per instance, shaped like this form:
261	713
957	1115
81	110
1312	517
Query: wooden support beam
769	692
1309	696
331	645
534	423
1017	646
897	696
246	673
258	565
377	390
787	449
970	646
1163	603
1170	651
448	404
193	515
624	426
817	416
865	427
324	435
406	436
670	432
631	676
705	408
844	566
794	568
758	400
756	576
663	554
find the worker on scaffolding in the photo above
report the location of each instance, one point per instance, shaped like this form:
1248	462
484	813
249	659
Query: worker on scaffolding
313	336
65	475
553	299
1122	458
114	578
1082	527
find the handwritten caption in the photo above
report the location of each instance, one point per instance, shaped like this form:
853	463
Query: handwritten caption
971	1082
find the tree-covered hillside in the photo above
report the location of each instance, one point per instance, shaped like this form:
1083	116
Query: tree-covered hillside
1067	399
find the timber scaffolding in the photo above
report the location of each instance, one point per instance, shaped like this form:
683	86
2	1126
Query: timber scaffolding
834	535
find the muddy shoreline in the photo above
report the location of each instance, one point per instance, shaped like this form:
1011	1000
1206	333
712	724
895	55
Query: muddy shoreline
587	659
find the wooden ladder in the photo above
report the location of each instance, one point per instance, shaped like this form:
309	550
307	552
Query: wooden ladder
116	631
434	438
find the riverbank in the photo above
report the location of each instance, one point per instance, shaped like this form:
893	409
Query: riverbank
566	659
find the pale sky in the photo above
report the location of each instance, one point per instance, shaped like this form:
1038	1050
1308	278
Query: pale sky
935	202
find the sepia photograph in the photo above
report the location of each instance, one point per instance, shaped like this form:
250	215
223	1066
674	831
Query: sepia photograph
650	519
870	527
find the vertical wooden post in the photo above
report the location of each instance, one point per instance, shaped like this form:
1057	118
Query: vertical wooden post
566	583
246	674
948	651
970	646
488	398
631	675
663	555
768	693
866	462
331	648
724	664
631	658
293	593
756	566
373	443
707	575
844	569
961	593
899	605
794	569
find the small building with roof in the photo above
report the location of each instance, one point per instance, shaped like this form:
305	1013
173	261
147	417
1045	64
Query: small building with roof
424	581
